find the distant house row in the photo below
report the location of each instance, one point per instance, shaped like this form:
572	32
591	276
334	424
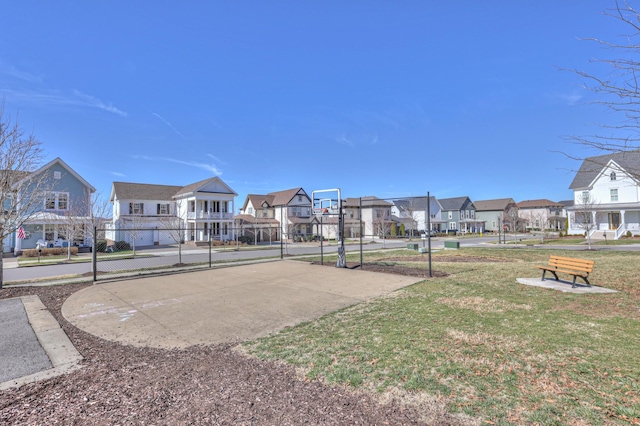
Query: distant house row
606	203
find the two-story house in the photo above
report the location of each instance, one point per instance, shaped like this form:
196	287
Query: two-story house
374	212
267	217
542	214
143	213
497	214
65	204
459	213
412	212
607	196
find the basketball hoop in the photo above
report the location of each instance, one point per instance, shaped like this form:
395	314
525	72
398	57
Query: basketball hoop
320	211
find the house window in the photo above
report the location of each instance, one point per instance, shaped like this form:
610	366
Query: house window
136	208
265	212
49	232
57	174
614	194
299	197
163	209
57	201
450	215
585	196
612	176
452	225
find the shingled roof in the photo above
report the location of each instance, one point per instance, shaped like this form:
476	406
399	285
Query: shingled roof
456	203
629	161
499	204
144	191
537	204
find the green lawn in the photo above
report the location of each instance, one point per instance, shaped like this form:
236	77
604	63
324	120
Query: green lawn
484	344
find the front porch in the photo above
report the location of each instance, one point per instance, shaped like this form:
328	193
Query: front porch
606	221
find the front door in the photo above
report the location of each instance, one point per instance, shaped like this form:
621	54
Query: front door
614	220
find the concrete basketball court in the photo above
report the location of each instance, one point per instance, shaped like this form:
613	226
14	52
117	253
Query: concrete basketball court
221	305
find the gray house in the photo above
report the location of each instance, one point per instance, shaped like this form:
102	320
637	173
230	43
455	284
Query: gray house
495	213
460	215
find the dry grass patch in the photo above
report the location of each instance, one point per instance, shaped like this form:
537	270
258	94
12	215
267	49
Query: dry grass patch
480	304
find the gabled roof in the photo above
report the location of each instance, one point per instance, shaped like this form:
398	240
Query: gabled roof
149	191
453	203
591	167
66	166
278	198
416	203
537	204
499	204
257	200
142	191
282	198
368	201
221	187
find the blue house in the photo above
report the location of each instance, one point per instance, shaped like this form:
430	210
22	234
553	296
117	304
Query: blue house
67	198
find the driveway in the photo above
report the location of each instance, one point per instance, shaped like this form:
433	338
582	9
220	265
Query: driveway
221	305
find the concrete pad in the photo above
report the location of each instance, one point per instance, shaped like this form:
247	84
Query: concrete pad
564	286
221	305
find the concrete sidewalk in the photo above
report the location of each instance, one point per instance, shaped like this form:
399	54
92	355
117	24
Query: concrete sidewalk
222	305
34	347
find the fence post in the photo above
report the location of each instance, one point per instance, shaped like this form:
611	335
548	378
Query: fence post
209	248
94	255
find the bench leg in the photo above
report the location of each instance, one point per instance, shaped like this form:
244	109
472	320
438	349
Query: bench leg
586	280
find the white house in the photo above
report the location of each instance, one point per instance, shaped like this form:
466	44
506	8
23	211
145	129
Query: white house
606	192
147	214
412	212
542	214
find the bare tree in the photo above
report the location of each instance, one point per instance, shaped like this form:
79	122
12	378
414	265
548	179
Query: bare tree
171	225
585	208
22	193
617	90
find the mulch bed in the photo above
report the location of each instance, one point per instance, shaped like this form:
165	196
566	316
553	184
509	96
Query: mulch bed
200	385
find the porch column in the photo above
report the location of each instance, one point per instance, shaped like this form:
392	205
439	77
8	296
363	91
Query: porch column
594	220
622	222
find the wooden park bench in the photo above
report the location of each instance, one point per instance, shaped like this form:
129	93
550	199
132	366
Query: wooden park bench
568	265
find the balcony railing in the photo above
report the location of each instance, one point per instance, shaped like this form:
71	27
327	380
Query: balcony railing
209	215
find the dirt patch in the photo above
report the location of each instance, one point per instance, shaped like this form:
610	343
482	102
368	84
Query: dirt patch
211	384
389	267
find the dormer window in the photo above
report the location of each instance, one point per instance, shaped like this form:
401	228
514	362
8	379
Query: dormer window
612	176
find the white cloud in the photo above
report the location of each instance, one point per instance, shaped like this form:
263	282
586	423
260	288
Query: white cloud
205	166
118	174
169	125
51	97
87	100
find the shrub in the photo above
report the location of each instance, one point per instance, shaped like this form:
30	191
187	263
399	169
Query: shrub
101	246
560	235
55	251
629	234
245	239
122	245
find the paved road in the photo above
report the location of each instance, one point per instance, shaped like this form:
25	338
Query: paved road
169	256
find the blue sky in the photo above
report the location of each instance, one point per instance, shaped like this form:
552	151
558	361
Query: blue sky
385	98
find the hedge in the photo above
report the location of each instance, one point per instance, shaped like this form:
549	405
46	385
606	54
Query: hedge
55	251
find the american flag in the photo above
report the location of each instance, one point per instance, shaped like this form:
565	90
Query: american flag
21	234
